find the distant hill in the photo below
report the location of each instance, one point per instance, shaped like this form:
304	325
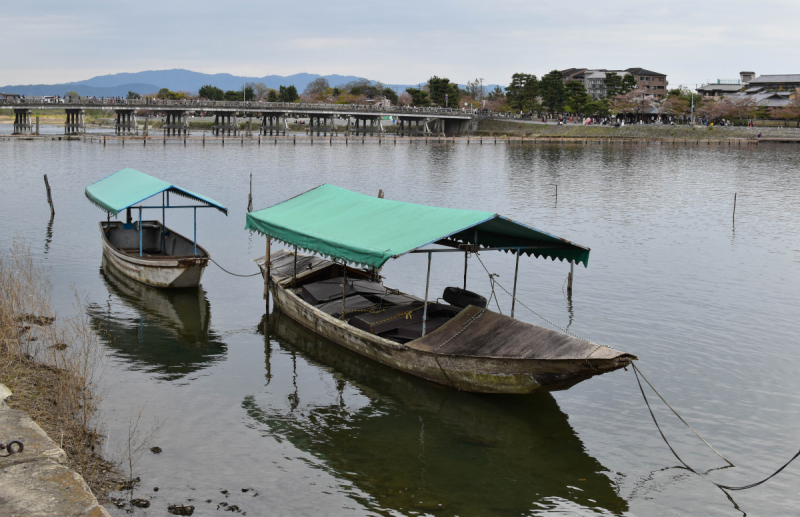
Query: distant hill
118	85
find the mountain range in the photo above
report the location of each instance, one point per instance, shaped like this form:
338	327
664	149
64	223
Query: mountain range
118	85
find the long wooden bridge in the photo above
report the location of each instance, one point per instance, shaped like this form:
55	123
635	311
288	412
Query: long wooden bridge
273	116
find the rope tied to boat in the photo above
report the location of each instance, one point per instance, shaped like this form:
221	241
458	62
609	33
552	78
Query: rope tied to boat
637	373
234	274
463	328
406	315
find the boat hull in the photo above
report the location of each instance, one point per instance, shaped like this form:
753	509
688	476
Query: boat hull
162	272
476	374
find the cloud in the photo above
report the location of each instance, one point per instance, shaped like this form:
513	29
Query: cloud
56	41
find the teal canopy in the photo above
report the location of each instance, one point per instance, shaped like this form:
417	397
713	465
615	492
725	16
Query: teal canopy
128	187
366	230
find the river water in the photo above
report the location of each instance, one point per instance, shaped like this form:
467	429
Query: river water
271	420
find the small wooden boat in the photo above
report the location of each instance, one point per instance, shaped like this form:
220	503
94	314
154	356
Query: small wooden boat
459	343
147	250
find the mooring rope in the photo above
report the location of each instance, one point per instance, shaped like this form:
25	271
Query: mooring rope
234	274
637	372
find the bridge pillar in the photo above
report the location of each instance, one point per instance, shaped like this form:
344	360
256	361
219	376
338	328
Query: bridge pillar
225	121
75	122
126	122
271	121
22	122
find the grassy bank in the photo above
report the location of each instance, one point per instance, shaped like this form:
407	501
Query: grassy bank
52	367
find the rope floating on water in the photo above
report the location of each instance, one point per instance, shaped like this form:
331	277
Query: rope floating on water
638	372
234	274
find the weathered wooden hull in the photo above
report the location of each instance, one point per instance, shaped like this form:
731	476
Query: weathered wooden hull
163	272
476	374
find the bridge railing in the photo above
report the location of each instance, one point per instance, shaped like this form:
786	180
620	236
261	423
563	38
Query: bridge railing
200	105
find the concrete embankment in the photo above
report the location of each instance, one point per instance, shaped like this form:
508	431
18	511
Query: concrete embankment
35	482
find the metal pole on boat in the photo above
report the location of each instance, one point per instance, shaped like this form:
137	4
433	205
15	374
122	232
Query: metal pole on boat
163	225
344	286
140	231
266	276
514	295
195	230
466	255
427	284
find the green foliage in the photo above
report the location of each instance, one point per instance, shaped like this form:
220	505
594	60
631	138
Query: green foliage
628	84
576	97
211	93
495	94
272	96
523	92
443	92
288	94
133	95
598	108
613	84
418	97
552	92
391	95
239	95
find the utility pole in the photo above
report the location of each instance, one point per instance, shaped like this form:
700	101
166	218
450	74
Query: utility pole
481	90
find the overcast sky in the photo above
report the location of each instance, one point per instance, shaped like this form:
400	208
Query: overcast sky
399	42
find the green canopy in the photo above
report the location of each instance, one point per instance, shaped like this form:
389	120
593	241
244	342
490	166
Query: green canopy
128	187
366	230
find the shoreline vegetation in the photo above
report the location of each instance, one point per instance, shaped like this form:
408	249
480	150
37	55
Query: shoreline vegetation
52	366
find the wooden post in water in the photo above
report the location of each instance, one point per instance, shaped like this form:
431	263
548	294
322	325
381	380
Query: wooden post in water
732	219
380	194
571	275
250	195
49	197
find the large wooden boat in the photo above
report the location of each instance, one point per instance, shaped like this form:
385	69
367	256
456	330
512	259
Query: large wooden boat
146	250
459	344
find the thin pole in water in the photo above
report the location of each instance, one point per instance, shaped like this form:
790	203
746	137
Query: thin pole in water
514	293
427	284
49	197
733	219
571	275
195	230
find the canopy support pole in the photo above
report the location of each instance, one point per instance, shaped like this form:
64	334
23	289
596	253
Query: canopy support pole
344	286
163	226
266	275
140	231
294	278
427	284
195	230
466	255
514	295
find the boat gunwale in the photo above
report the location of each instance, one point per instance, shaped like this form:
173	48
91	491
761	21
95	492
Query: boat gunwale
179	261
298	301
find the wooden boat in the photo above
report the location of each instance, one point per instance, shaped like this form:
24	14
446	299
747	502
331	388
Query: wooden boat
456	344
147	250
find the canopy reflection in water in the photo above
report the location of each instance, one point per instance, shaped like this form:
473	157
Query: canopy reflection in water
164	331
401	444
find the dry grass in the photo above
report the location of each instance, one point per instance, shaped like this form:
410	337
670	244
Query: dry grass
52	366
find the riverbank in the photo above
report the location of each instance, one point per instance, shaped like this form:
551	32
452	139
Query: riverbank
51	367
518	128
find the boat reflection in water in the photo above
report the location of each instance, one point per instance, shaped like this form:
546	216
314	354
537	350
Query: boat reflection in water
403	445
157	330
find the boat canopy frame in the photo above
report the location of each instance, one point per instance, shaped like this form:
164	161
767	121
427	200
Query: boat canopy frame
126	188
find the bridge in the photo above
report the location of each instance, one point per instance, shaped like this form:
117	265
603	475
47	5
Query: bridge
273	116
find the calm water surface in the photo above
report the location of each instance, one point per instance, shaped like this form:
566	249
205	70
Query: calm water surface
309	429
